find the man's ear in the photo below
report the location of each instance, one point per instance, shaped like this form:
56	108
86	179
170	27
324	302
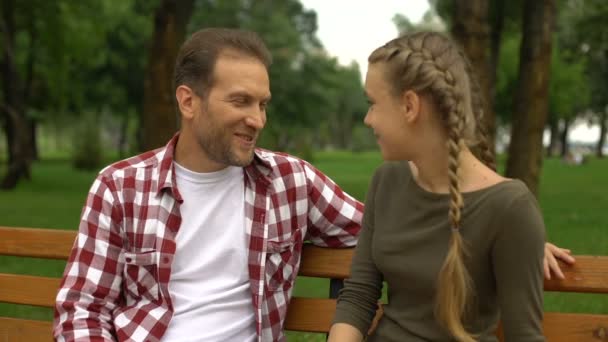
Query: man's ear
187	101
410	104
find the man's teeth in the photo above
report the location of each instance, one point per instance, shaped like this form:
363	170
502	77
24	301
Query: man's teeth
246	137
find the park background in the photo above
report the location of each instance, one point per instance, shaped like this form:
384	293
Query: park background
85	83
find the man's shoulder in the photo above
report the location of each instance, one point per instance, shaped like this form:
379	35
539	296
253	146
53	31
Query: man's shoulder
281	161
147	159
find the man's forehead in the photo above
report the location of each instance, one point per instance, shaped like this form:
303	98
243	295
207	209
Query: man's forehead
239	91
229	55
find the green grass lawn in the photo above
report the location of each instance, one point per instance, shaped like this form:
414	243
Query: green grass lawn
573	199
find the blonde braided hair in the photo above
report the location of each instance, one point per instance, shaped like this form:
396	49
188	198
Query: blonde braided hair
429	63
486	155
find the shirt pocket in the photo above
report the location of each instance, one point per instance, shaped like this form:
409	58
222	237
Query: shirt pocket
141	276
282	259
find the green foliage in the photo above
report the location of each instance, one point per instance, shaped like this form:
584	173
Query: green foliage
568	76
87	146
507	77
80	56
431	21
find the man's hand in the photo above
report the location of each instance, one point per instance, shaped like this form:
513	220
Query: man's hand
552	253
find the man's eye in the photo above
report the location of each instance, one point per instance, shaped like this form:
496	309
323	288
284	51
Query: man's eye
240	100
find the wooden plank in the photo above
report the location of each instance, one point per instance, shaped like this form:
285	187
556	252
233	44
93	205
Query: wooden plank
589	275
23	330
310	314
316	315
326	262
30	290
567	327
35	242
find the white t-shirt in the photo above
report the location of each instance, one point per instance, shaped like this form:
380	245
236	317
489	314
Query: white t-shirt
209	283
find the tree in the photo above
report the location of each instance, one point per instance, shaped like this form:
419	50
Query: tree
16	91
479	26
471	29
50	49
567	77
160	120
531	98
591	36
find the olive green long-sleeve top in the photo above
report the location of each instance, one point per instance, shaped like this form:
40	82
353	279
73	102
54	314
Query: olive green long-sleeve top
404	242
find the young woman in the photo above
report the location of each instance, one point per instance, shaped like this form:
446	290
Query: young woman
459	246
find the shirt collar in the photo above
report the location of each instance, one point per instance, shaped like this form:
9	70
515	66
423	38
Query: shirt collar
260	166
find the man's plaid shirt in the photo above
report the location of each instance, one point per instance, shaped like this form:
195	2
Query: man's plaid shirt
115	285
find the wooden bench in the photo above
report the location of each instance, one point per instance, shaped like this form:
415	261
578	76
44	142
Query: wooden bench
589	275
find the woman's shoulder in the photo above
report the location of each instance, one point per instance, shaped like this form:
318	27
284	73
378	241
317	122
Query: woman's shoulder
515	207
393	169
391	173
512	191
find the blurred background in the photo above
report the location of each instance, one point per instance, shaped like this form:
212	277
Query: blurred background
85	83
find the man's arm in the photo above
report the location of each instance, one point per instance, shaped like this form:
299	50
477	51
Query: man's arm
92	279
334	217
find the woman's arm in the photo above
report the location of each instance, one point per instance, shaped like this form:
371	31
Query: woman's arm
517	257
358	300
343	332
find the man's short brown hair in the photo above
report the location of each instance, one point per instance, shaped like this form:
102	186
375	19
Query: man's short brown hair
198	55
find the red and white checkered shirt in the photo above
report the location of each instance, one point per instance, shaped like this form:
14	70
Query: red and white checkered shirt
115	285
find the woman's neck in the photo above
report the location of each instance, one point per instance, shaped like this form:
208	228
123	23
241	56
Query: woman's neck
431	171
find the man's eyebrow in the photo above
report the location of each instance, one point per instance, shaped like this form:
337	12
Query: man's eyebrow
240	94
247	95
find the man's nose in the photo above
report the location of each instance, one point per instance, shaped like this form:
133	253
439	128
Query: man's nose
256	120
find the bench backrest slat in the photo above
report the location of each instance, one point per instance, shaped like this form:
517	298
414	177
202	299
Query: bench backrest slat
588	275
39	243
566	327
29	290
310	314
24	330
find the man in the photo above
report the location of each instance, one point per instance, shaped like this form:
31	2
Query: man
201	240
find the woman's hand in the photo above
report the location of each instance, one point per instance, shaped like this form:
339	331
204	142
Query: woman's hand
552	253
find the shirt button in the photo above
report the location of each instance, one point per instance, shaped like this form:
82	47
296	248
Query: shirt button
166	260
128	259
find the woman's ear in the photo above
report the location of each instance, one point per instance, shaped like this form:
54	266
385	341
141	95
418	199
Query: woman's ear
410	103
187	101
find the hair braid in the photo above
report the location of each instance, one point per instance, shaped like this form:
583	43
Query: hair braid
428	62
477	104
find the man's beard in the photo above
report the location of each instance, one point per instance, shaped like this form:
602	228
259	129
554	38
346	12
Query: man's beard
217	144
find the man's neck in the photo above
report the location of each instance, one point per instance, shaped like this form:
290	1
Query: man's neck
190	155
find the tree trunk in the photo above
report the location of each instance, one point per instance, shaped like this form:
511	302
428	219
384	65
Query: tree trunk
13	107
160	120
531	98
602	141
564	138
497	28
553	141
471	30
20	167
